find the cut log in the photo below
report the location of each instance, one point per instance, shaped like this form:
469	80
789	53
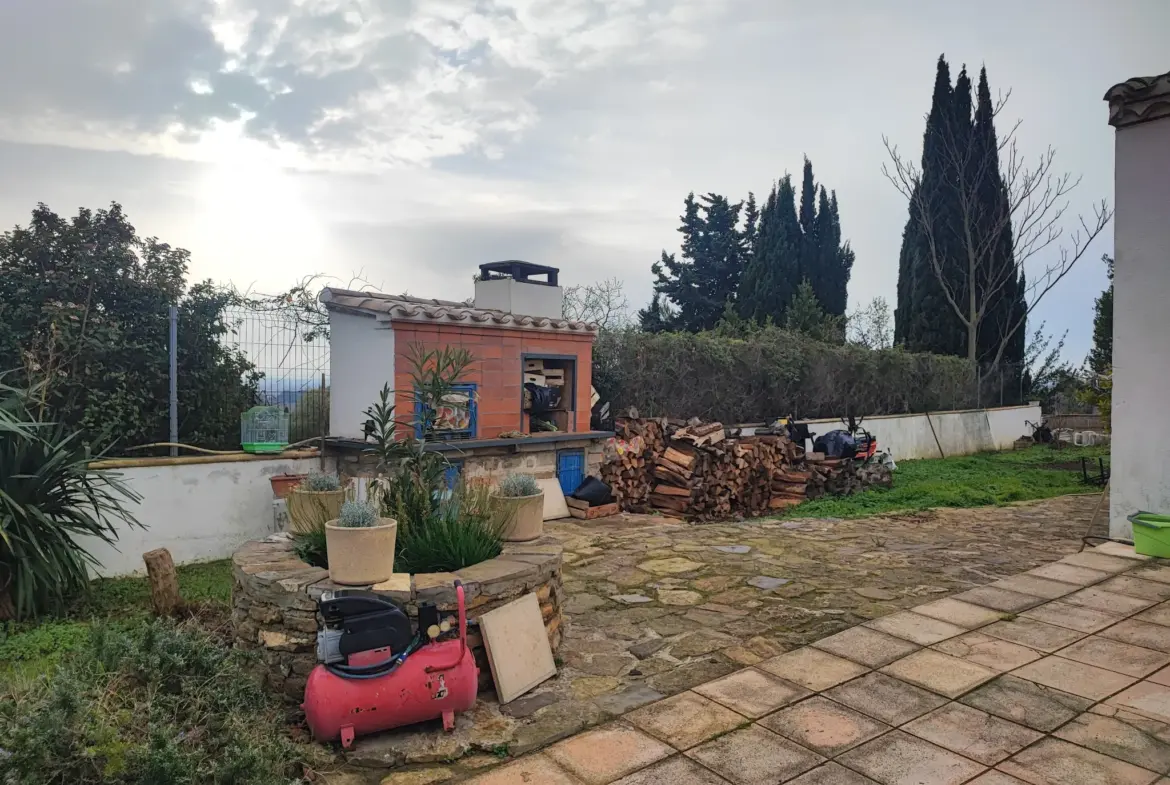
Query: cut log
671	490
164	582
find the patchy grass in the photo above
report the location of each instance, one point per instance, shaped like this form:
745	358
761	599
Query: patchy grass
967	481
32	647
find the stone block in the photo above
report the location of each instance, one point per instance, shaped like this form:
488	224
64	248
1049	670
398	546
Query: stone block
265	614
436	587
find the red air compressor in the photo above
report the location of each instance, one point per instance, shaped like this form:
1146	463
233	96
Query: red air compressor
376	673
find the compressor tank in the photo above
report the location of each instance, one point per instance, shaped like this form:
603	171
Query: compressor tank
435	681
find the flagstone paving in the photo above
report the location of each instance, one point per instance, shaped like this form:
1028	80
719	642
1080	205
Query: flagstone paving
971	696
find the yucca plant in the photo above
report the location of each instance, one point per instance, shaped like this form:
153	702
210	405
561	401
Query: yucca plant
50	501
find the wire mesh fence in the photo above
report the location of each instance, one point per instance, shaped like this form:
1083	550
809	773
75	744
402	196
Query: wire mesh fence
292	358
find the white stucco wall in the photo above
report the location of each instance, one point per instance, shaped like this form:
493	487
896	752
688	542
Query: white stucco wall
908	436
527	299
361	360
197	511
1140	464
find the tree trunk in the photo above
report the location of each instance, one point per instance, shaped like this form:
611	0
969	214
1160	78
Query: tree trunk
164	582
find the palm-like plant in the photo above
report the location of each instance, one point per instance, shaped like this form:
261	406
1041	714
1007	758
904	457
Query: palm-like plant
50	501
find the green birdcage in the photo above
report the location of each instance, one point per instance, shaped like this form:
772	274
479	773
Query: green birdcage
264	429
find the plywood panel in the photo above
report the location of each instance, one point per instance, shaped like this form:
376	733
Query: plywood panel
517	647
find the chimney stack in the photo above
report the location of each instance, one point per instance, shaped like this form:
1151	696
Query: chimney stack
509	286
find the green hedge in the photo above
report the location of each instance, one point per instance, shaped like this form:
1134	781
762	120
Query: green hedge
770	373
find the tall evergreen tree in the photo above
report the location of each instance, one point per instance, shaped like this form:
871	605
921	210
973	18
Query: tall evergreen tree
810	246
773	272
707	276
1101	355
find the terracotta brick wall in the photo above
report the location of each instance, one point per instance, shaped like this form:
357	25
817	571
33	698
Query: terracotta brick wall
497	370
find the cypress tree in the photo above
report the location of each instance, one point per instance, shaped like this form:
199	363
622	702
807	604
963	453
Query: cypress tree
773	275
810	250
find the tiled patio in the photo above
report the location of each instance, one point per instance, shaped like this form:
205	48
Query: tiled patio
1057	676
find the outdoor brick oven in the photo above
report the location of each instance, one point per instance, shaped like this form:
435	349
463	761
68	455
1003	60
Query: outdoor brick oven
515	330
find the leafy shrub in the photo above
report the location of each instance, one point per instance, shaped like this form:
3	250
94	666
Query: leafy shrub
49	496
152	704
442	532
318	482
519	485
760	373
358	515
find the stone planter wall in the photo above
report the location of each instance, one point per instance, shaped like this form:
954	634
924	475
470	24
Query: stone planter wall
274	598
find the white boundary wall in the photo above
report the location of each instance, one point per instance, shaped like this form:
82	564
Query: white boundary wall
908	436
198	511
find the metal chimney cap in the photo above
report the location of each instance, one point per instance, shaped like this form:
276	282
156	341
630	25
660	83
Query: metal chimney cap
519	271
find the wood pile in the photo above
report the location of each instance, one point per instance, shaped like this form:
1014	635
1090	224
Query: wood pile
694	470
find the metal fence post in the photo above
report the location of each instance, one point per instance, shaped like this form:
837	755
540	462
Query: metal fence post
174	374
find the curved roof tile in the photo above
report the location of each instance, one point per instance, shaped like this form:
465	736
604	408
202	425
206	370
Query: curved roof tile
416	309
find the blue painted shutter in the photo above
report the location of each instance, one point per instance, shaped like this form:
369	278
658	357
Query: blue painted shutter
570	469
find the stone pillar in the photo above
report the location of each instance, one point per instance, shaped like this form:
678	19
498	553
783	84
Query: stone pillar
1140	455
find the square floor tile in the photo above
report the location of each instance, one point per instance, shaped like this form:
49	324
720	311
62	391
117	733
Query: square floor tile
685	720
1117	739
1134	586
1110	602
1116	656
1057	762
754	756
1026	702
999	599
1068	573
1073	617
824	726
600	756
959	613
1153	573
996	778
922	630
1033	634
999	655
901	759
1140	633
832	774
529	769
972	733
938	672
678	770
1145	698
1037	586
752	693
812	668
866	646
885	698
1120	549
1098	561
1074	677
1161	677
1159	614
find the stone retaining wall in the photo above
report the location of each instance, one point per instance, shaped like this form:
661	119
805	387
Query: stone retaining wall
274	599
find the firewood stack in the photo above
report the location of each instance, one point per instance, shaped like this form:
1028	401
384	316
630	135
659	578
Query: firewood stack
627	472
836	477
696	472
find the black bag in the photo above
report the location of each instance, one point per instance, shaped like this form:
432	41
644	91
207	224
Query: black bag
836	444
594	491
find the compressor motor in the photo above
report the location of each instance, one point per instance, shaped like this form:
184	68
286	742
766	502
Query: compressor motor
378	672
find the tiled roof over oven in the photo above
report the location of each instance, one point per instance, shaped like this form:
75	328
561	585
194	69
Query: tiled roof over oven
388	307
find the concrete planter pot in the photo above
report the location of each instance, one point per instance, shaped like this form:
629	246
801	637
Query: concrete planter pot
310	510
361	556
525	516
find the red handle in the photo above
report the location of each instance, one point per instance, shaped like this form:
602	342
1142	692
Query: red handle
462	633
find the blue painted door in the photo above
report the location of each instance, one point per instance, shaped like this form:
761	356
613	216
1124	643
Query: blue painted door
570	469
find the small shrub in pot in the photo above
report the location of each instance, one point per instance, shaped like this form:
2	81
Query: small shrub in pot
317	499
360	545
522	501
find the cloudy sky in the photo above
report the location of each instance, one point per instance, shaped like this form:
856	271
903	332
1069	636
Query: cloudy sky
411	140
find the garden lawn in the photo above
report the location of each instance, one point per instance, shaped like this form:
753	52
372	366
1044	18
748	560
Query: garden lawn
31	647
967	481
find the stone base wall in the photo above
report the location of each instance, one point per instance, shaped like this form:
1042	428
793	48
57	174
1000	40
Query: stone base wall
492	464
275	595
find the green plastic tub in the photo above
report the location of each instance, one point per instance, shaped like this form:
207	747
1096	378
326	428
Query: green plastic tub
1151	534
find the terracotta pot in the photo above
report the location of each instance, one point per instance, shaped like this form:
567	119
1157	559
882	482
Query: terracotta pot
526	516
361	556
310	510
283	484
